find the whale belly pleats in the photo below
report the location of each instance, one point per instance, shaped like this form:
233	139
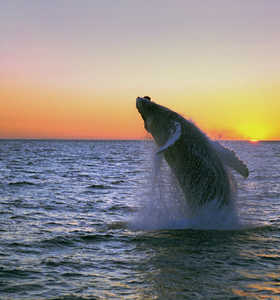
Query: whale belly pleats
202	178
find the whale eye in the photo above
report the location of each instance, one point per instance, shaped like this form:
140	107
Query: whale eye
147	97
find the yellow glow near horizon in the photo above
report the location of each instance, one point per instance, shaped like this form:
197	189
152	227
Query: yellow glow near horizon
254	131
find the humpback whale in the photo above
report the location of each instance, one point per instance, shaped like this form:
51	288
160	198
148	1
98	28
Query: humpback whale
200	165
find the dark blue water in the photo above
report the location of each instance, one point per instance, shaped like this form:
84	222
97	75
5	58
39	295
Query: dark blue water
65	210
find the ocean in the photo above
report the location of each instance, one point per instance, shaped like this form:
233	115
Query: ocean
71	226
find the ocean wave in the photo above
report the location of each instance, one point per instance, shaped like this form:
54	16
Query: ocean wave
21	183
14	273
75	297
99	186
58	241
117	182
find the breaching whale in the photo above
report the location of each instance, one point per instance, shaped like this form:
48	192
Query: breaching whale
200	164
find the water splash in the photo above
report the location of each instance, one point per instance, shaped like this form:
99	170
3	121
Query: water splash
163	205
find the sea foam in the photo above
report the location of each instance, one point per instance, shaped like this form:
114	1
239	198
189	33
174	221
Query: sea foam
163	205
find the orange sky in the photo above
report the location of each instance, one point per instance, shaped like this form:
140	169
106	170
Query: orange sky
74	71
28	112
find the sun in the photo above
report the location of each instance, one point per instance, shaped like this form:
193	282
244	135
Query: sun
254	141
253	131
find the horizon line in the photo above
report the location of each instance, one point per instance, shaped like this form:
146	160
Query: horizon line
126	139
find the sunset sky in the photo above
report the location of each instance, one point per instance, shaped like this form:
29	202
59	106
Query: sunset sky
73	69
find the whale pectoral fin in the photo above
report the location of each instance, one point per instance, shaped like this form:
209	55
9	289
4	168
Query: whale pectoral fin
229	158
173	137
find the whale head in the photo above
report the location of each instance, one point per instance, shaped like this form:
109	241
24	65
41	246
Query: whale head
146	108
154	115
158	120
